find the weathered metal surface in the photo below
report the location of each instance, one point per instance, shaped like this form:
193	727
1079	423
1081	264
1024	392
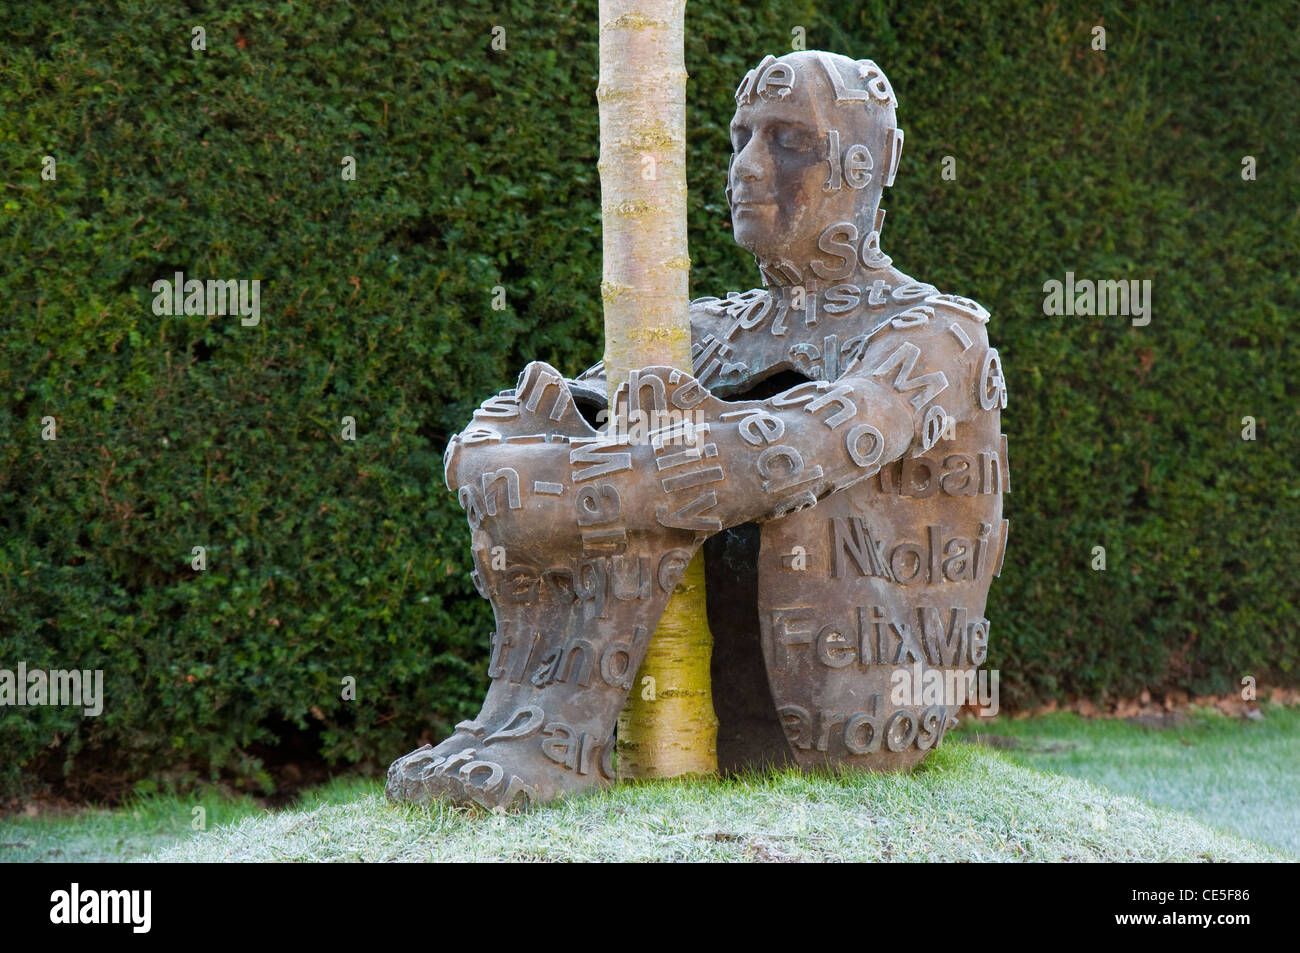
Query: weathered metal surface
848	409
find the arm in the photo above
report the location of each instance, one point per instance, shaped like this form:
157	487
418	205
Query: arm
678	460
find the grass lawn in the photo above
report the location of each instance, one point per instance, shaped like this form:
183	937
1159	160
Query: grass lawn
1232	773
146	825
967	802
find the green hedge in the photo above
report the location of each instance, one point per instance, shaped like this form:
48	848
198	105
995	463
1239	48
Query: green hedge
476	168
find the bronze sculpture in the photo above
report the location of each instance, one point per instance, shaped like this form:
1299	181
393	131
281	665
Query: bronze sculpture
850	411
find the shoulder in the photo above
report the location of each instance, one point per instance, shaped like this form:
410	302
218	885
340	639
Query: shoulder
948	328
932	351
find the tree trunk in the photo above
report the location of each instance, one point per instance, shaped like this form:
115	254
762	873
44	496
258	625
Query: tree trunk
668	727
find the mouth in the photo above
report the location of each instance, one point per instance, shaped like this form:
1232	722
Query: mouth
749	205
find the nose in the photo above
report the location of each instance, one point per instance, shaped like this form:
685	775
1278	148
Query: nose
749	162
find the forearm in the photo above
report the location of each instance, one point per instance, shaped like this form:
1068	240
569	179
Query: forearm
717	465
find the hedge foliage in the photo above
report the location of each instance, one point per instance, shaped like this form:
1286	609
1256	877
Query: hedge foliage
476	168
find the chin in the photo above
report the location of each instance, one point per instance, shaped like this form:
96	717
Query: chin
753	237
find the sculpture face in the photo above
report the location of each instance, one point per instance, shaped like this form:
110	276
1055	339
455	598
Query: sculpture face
776	177
811	139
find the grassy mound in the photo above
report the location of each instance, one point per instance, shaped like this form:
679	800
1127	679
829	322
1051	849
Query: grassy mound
965	804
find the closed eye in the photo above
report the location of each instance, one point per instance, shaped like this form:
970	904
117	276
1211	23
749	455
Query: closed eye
794	138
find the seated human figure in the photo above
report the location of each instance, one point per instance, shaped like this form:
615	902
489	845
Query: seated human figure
848	476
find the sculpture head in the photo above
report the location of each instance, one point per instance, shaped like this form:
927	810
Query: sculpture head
814	144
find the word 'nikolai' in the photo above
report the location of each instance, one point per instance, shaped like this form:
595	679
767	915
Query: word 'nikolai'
1101	298
230	296
939	558
103	906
